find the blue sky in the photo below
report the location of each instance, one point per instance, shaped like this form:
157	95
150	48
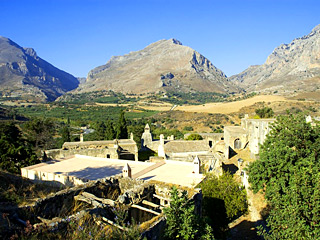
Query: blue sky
78	35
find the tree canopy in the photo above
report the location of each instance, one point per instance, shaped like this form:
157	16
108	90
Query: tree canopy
264	112
223	200
182	222
194	136
40	132
15	152
122	131
288	171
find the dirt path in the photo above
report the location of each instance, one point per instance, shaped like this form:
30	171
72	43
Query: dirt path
245	227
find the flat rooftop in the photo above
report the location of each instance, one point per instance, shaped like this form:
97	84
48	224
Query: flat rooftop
93	168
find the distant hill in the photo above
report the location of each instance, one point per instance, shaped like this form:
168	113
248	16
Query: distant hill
293	67
163	66
25	75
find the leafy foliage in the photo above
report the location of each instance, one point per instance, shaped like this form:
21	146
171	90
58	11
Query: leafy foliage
194	136
180	98
223	200
40	132
182	222
288	171
110	134
15	151
122	130
65	134
79	114
264	112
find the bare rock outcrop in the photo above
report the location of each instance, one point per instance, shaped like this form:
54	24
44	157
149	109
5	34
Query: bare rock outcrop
165	65
290	68
25	75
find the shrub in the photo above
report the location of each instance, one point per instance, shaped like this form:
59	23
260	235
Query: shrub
194	136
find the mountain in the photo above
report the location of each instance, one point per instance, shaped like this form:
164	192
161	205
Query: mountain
165	65
25	75
293	67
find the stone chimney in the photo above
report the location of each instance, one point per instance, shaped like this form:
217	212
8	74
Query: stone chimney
116	144
146	139
81	137
196	165
161	152
126	171
131	136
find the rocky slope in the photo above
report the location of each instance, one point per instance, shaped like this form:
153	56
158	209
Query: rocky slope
293	67
25	75
165	65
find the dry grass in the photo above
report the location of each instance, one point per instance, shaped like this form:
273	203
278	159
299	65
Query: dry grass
230	107
17	190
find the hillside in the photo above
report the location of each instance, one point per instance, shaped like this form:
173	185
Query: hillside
293	67
162	66
24	75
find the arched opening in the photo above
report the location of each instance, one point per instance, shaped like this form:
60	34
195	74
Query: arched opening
210	144
237	144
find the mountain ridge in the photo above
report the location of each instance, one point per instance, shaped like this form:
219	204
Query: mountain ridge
165	65
290	68
23	74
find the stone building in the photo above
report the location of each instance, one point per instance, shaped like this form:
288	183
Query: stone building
251	133
116	149
184	150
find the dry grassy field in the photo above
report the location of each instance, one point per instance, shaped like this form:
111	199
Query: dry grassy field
231	107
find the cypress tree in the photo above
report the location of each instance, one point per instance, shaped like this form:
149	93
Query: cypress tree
110	133
122	130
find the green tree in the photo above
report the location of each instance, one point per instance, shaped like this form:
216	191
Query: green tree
100	131
264	112
194	136
15	152
288	171
122	131
65	134
181	220
40	132
110	134
223	200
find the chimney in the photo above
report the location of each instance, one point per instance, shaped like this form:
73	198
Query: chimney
131	136
196	165
126	171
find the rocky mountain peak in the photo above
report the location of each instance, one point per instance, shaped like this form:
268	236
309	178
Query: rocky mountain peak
31	52
316	29
25	75
165	65
175	41
288	68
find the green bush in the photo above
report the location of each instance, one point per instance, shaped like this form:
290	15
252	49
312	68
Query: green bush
194	136
288	172
182	222
223	201
264	112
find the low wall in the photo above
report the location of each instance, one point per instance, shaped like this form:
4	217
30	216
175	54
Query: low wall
103	153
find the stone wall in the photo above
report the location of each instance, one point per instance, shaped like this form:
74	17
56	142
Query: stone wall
257	132
93	152
54	179
124	149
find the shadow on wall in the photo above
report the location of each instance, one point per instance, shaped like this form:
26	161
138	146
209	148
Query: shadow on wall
96	173
231	168
232	153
